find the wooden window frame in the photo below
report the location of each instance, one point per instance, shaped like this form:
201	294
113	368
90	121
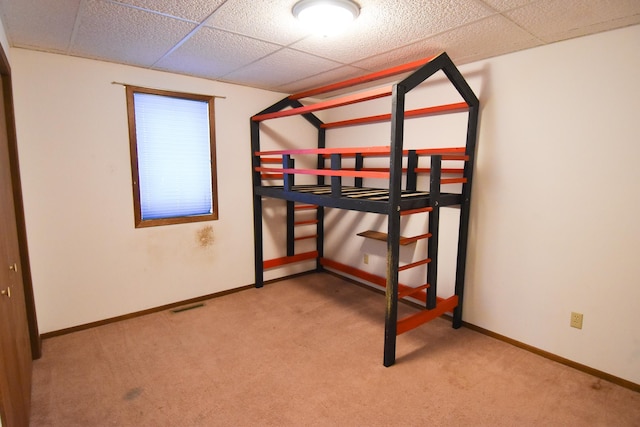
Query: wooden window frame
133	146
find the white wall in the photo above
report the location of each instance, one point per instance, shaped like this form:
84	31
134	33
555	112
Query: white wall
554	225
88	261
553	228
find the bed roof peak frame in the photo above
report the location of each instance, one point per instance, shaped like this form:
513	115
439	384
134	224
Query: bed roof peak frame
395	205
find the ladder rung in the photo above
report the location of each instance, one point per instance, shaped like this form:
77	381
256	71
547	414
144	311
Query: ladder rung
410	291
453	181
307	222
414	264
415	211
304	207
407	240
271	160
313	236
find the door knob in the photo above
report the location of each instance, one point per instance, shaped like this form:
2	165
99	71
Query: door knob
6	292
13	267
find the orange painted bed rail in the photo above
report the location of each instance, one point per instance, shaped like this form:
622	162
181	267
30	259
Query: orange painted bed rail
326	172
443	170
371	150
271	160
304	207
352	271
417	319
363	79
311	236
371	278
443	305
453	181
306	222
411	291
380	150
439	109
414	264
407	240
332	103
277	262
269	176
415	211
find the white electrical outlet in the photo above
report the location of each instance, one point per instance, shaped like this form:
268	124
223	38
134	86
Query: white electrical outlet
366	258
576	320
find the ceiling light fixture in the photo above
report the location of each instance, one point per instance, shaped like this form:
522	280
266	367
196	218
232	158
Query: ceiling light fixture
326	17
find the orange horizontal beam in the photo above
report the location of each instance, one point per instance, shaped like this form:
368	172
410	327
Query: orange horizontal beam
444	170
276	262
304	207
312	236
420	112
439	151
424	316
410	291
270	160
363	79
415	211
371	169
310	221
371	278
453	152
271	176
407	240
324	105
414	264
326	172
375	150
453	181
352	271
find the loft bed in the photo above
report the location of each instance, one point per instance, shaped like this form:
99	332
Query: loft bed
404	192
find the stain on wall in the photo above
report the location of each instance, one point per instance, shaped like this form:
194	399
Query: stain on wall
205	236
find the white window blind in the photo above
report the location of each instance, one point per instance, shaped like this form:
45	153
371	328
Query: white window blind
174	156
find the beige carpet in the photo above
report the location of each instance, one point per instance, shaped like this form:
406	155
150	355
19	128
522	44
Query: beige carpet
307	352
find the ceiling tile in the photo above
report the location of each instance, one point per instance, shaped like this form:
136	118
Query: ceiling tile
285	65
554	20
269	20
194	10
262	45
489	37
503	5
386	24
114	32
213	53
44	25
322	79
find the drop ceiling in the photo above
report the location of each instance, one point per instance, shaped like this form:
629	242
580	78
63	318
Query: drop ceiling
259	43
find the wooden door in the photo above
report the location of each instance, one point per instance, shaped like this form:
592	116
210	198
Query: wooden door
15	346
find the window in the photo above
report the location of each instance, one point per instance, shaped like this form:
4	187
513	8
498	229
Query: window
172	142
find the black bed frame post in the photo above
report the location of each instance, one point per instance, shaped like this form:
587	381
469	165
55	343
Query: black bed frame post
434	227
465	208
288	163
322	135
358	166
461	85
336	181
257	205
412	176
393	235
